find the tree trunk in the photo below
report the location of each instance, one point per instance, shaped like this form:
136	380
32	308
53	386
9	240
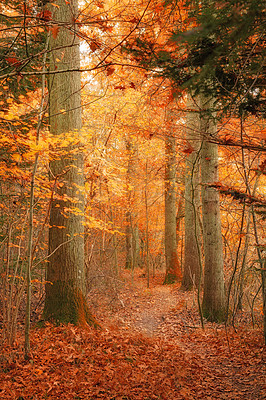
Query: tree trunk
263	280
65	289
192	262
132	247
214	294
173	273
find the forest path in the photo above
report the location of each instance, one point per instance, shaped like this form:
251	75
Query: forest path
230	364
158	311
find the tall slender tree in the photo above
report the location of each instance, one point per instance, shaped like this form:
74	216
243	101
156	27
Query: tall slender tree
192	264
132	234
171	259
214	292
65	289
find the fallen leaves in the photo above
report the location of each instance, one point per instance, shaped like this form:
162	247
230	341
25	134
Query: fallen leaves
177	362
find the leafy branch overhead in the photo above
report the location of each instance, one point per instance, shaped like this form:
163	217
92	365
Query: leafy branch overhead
218	49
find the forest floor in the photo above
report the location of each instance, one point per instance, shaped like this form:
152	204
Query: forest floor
151	346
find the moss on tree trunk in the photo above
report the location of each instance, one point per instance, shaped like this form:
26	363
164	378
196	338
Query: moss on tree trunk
67	305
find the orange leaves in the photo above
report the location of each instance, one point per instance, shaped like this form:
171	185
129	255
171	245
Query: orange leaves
45	15
72	362
99	3
54	30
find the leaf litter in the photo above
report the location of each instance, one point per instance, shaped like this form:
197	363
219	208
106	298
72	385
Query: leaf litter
150	347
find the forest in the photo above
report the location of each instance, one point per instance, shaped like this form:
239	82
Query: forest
132	199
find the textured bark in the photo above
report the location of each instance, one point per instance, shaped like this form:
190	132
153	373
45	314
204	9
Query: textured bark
263	280
132	236
192	265
173	273
213	305
65	290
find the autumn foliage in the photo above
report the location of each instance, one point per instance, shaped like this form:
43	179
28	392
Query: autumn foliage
147	340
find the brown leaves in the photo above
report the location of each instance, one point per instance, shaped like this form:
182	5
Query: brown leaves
188	149
94	45
71	362
110	71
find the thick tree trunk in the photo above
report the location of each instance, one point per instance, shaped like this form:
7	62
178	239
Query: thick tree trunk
192	264
65	290
173	273
214	294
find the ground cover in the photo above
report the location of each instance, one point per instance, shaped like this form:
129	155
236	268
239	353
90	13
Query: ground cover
150	346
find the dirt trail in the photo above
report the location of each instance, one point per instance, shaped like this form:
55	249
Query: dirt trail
228	363
149	318
160	311
231	367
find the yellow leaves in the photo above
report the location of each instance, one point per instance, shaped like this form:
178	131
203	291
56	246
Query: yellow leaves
16	157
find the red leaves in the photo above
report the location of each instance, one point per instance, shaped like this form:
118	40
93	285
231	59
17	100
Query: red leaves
13	61
120	87
46	15
123	87
134	20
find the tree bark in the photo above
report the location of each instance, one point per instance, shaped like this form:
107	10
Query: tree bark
213	305
132	236
192	262
65	289
173	273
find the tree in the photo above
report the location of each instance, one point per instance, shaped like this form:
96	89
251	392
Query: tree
171	259
65	288
213	304
132	234
192	262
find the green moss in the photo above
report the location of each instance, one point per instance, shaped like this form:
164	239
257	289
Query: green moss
170	279
65	304
218	315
